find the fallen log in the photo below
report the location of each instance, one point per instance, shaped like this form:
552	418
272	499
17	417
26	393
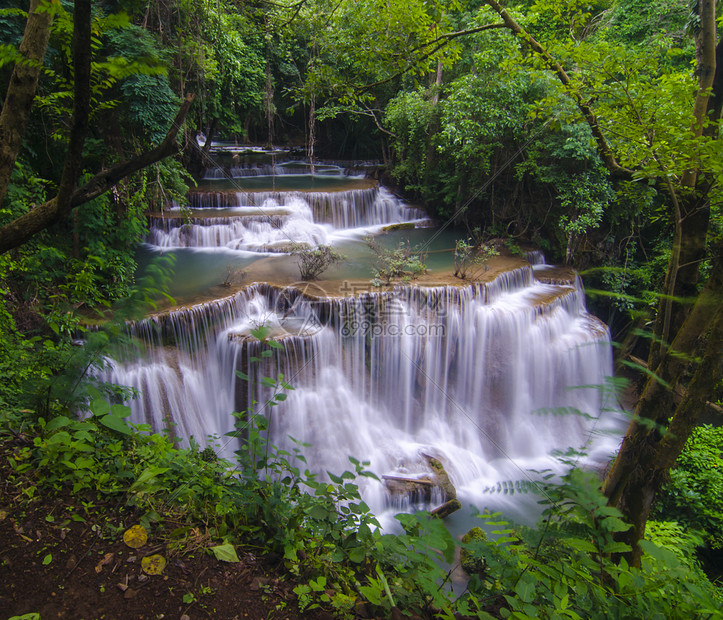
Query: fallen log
446	509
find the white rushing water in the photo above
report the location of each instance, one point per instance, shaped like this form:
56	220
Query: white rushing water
473	376
269	221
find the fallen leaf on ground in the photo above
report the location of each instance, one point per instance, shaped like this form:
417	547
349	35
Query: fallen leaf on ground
107	558
135	536
153	564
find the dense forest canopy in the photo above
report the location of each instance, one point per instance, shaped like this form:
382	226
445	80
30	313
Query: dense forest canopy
587	129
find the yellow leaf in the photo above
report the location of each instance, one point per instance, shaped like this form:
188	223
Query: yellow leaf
153	564
135	537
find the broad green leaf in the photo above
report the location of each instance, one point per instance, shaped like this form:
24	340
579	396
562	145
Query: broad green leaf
116	424
99	406
525	590
616	547
581	545
225	553
120	411
317	511
58	422
147	474
613	524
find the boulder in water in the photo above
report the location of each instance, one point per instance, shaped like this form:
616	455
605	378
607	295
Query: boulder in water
441	478
400	226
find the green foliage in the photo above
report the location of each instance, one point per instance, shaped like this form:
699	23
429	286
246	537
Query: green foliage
470	259
338	556
147	97
409	117
332	544
652	24
404	261
564	569
694	494
313	261
567	160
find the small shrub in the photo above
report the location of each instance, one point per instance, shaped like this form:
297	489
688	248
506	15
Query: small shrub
313	261
232	275
406	262
470	259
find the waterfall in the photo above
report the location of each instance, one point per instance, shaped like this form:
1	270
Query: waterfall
268	231
472	376
343	209
270	221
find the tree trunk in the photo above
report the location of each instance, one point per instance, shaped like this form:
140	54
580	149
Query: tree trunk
651	445
269	104
82	52
312	132
692	215
21	89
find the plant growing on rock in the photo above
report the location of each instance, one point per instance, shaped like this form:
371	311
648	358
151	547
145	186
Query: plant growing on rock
405	261
470	258
313	261
232	275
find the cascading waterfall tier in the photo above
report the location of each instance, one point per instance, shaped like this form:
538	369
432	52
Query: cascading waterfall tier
475	376
269	221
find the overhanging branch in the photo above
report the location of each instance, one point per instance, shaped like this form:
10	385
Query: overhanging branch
436	45
604	149
23	228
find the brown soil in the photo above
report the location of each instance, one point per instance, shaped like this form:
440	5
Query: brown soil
61	561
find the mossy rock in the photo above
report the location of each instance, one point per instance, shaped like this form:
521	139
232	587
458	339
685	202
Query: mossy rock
402	226
446	509
441	478
471	563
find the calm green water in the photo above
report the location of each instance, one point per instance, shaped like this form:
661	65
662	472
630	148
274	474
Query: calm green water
200	273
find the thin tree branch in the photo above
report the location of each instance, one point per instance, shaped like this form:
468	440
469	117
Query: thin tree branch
23	228
440	42
603	147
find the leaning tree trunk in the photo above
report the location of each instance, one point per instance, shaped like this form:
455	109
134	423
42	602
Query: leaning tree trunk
68	197
24	227
21	89
660	426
